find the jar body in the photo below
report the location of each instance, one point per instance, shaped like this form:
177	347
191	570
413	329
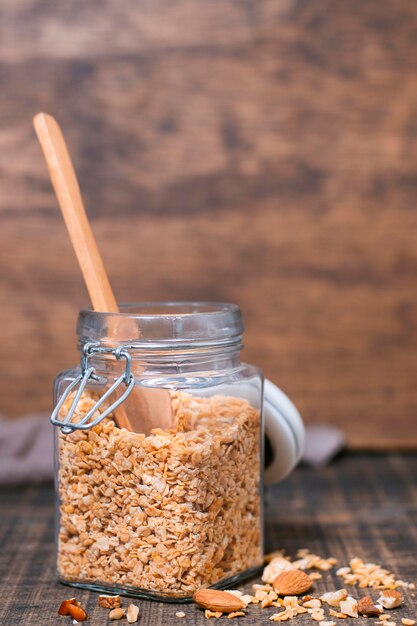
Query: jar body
164	513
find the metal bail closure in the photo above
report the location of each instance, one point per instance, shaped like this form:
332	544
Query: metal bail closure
88	374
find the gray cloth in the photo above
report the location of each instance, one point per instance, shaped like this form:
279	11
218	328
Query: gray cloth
322	444
26	448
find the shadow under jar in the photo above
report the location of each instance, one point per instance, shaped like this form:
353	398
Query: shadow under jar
160	515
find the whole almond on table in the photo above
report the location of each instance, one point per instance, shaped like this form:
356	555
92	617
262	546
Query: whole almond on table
63	609
77	613
367	607
218	601
292	583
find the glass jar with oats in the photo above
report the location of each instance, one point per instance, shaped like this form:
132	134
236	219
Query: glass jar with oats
159	453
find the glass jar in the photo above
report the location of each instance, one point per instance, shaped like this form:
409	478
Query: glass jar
162	513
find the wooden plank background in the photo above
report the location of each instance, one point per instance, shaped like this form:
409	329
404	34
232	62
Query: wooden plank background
262	152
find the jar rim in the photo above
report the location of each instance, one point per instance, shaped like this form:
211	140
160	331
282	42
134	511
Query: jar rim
163	324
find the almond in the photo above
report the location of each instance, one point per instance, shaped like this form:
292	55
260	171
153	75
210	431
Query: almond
349	607
292	583
77	613
367	607
63	609
132	613
334	598
216	600
390	598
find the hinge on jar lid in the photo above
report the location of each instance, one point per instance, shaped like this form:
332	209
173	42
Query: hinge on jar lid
88	374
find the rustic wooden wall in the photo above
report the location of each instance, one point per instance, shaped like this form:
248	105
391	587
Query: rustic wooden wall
255	151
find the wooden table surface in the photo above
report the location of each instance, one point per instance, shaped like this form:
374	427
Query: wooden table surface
360	506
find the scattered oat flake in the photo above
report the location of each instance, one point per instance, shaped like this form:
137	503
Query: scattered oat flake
314	603
257	587
292	603
342	571
324	623
268	599
273	555
317	615
235	614
369	575
180	614
209	614
280	617
337	614
408	622
234	592
315	576
260	594
276	567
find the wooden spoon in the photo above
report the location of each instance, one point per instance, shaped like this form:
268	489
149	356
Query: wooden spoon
147	408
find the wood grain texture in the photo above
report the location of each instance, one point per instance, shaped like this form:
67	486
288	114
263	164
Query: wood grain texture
262	153
360	506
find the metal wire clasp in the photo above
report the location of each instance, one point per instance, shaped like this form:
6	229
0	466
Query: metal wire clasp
88	374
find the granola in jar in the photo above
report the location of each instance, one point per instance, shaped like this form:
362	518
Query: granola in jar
167	513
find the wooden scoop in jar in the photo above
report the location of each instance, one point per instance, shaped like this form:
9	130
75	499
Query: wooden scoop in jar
146	408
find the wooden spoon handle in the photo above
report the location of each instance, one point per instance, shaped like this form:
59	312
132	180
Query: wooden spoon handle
64	181
66	187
